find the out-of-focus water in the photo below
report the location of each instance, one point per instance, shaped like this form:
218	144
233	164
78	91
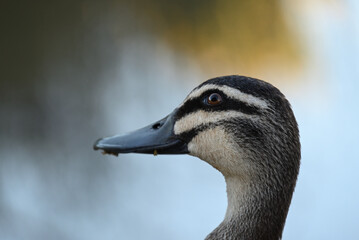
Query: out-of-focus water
96	74
325	201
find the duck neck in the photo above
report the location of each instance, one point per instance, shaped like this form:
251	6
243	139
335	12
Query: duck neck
254	212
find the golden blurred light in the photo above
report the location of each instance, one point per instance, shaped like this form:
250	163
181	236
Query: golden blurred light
224	36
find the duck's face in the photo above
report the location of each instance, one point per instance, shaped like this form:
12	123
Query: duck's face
210	121
224	121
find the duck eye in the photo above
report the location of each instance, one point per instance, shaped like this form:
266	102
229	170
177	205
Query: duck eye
214	99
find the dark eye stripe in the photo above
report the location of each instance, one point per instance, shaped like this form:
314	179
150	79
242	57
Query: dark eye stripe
227	104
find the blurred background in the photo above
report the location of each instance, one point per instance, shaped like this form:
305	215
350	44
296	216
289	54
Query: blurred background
74	71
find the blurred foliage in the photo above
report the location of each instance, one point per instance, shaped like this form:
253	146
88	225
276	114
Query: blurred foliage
225	36
222	36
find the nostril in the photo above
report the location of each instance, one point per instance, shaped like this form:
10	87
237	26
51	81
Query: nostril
157	125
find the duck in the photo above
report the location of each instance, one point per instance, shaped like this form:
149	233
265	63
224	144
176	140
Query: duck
245	128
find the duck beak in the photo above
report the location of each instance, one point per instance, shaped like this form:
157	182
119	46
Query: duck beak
156	138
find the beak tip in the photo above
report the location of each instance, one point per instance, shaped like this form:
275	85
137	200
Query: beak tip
97	145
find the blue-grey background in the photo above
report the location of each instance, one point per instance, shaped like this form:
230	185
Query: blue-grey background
74	71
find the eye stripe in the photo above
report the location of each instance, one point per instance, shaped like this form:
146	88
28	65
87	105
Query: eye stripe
230	92
228	104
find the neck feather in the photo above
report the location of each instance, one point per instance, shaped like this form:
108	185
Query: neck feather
255	211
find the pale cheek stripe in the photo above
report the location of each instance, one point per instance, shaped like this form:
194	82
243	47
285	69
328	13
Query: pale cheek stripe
230	92
201	117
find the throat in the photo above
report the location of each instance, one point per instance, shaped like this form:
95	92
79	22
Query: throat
238	195
253	212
